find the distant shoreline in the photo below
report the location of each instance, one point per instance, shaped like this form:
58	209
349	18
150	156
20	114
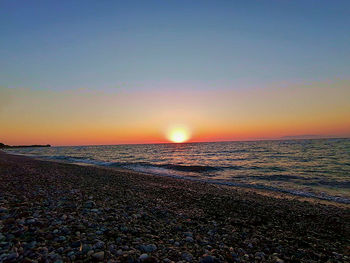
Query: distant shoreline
4	146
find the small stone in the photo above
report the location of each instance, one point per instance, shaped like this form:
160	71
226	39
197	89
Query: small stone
30	221
124	229
3	210
189	239
75	244
30	245
43	250
188	234
99	255
81	227
99	245
207	259
89	204
12	256
187	256
148	248
337	255
86	248
211	232
65	230
150	260
60	250
143	257
260	254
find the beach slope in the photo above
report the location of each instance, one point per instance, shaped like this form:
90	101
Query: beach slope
58	212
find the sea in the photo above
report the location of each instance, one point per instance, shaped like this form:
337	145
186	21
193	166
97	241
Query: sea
318	168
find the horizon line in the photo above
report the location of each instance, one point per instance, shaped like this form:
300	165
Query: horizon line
284	138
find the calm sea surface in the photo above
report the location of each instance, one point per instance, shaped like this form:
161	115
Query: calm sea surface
318	168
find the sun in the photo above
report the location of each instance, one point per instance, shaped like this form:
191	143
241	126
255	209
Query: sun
178	135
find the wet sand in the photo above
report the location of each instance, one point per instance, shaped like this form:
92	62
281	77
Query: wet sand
57	212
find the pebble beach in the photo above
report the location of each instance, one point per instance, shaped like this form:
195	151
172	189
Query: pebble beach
58	212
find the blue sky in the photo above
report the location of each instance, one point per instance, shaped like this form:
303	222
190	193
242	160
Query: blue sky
172	44
106	72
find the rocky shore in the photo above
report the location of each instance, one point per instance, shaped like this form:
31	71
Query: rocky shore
55	212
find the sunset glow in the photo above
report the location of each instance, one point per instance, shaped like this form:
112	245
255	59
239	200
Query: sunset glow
178	135
226	72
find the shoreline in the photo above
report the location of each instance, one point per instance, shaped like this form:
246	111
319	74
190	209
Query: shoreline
83	213
277	193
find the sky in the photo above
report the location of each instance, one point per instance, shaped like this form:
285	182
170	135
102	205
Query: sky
110	72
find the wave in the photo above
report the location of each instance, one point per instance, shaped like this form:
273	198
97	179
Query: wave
321	196
165	172
176	167
76	159
189	172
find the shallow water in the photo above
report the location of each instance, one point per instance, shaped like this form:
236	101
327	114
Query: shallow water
318	168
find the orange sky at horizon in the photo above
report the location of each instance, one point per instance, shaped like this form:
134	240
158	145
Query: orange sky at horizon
90	117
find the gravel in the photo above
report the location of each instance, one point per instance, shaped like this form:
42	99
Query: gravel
56	212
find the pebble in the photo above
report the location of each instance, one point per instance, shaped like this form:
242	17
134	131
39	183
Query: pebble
3	210
260	254
99	245
187	256
188	234
86	248
89	204
30	221
62	238
75	244
143	257
207	259
148	248
99	255
189	239
12	256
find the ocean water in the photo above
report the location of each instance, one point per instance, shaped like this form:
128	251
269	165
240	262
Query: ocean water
314	168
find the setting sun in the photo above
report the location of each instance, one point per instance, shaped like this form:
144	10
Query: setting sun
178	135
